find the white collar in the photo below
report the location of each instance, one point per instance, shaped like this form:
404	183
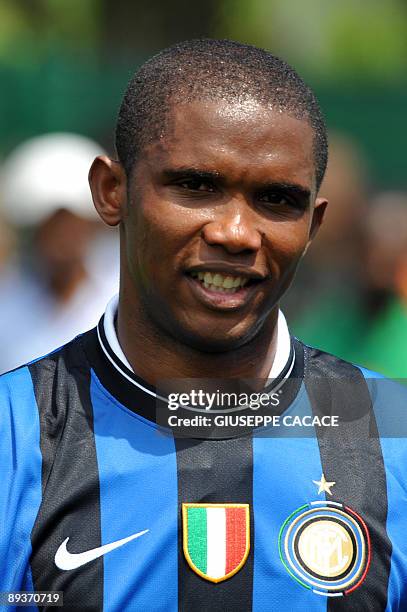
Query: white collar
280	360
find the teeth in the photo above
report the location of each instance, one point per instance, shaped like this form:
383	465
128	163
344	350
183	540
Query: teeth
228	283
219	282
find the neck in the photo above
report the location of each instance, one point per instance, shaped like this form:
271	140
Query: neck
138	336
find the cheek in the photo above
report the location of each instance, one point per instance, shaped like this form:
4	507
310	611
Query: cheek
286	242
158	233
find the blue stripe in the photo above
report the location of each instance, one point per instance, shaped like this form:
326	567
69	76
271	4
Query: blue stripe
284	469
395	461
138	490
390	406
20	492
28	585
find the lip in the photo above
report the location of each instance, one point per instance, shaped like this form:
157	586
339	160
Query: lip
228	270
221	301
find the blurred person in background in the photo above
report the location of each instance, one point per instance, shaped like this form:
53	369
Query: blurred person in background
57	289
385	346
327	304
7	247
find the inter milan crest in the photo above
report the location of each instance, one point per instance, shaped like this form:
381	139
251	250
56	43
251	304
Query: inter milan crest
325	547
216	539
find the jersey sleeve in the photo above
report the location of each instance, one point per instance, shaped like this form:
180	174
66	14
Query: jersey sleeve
20	479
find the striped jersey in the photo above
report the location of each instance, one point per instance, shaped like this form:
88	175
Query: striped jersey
99	502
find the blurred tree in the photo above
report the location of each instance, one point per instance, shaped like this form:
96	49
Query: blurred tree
351	38
64	63
146	26
333	39
33	29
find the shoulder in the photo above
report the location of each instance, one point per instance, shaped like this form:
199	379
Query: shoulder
22	386
318	361
352	385
17	406
39	401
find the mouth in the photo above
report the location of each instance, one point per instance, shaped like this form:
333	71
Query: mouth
221	283
223	290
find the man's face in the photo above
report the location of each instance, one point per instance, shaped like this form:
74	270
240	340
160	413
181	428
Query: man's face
220	211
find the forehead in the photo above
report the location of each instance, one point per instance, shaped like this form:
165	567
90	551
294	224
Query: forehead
239	139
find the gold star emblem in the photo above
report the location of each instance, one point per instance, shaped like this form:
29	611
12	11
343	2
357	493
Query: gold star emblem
324	485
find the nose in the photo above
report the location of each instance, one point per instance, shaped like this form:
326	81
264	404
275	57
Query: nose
234	229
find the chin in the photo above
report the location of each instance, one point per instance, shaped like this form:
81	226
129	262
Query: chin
215	341
207	335
212	345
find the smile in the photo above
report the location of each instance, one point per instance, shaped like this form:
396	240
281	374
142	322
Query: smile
219	282
221	290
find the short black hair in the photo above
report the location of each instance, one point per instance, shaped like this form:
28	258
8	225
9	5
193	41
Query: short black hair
212	69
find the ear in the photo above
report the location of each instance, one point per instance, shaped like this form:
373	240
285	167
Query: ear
317	218
107	180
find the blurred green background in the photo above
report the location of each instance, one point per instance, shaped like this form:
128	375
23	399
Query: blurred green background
64	63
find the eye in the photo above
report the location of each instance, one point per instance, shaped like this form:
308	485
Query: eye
276	197
197	184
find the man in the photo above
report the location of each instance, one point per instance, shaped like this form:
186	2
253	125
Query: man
55	275
222	149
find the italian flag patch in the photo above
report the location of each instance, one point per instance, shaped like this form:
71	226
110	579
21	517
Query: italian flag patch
216	538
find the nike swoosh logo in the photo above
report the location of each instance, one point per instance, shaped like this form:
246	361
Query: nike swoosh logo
65	560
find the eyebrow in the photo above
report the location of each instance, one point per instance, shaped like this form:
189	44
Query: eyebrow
192	172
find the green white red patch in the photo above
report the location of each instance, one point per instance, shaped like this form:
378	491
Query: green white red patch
216	539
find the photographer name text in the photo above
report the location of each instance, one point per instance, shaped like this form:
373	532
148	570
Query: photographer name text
254	420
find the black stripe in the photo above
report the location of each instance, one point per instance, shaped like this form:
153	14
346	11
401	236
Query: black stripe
71	505
127	393
118	364
215	471
351	456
